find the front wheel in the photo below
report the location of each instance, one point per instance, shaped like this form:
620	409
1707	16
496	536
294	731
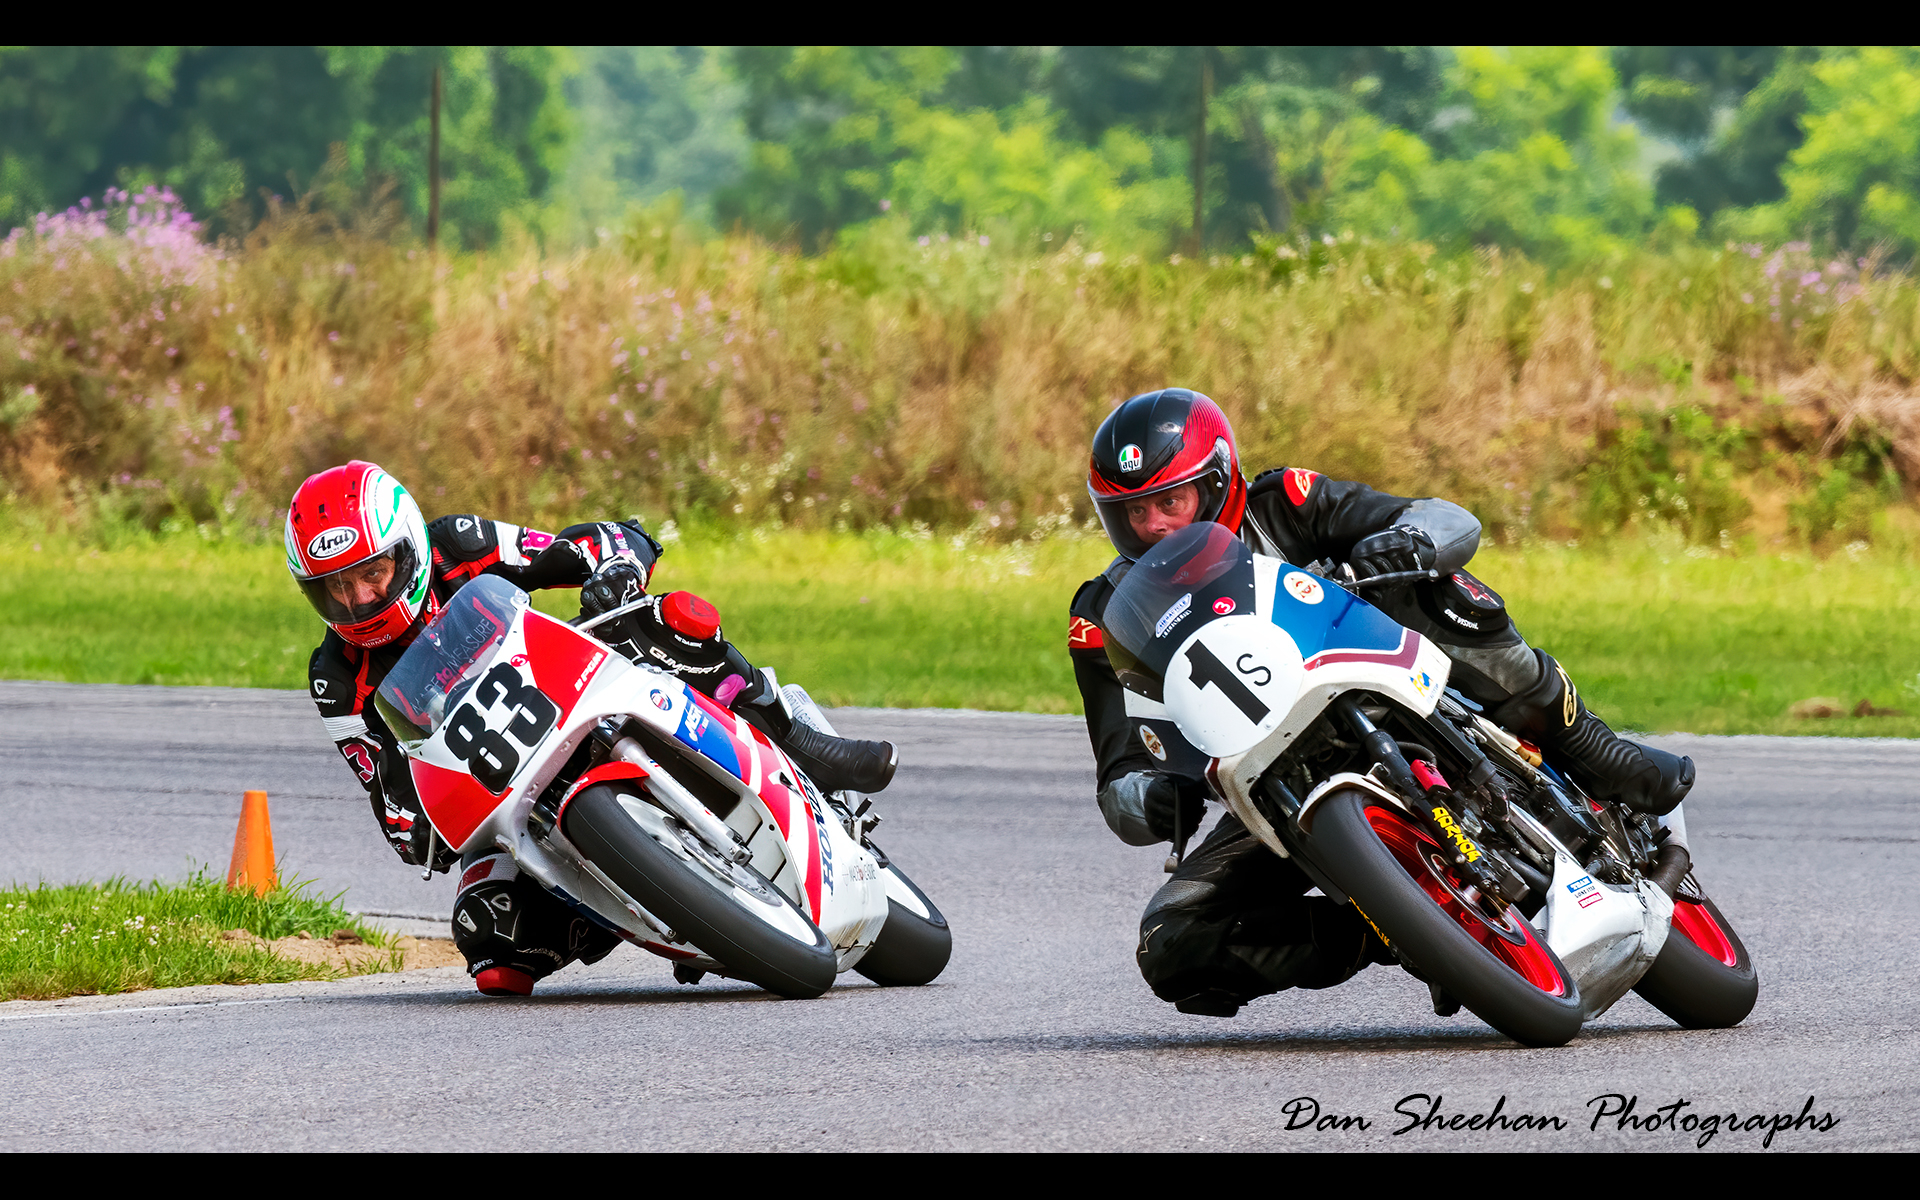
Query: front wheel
915	943
729	911
1704	978
1484	953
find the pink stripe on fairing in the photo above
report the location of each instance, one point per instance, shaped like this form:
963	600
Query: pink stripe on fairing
1403	657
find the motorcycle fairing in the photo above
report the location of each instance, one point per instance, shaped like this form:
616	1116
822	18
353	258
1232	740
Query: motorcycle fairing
794	842
1606	934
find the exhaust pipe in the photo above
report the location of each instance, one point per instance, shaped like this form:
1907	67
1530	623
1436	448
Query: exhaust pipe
1670	866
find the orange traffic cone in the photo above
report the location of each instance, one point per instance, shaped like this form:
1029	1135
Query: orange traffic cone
252	865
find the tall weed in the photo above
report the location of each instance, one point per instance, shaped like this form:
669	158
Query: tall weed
148	378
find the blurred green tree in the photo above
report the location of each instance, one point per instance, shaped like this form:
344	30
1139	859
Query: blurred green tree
1855	180
1733	112
221	124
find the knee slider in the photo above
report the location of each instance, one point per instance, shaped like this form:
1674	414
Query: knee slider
502	919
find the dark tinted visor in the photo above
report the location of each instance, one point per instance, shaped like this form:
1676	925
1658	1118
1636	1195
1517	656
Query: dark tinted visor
359	592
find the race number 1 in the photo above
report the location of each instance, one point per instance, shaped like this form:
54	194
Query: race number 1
1206	669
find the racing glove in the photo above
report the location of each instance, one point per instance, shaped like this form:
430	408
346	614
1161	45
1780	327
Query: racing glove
1159	802
1402	548
619	582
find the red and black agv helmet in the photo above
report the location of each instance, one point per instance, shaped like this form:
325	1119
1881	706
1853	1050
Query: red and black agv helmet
1160	440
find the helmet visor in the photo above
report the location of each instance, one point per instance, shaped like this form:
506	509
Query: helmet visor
365	589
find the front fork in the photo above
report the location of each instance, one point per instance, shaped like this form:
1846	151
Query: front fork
1434	803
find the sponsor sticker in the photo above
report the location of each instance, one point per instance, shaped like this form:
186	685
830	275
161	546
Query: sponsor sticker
1591	898
1129	457
1152	742
696	723
519	660
1223	606
1422	682
1083	634
660	700
1171	617
1303	587
330	543
588	670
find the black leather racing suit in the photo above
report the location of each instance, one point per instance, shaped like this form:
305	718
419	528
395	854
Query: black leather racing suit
500	919
1233	922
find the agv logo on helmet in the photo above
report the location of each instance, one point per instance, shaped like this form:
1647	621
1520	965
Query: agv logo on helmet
1158	441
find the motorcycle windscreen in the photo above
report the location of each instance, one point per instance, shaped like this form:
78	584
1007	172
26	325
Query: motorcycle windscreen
439	666
1195	576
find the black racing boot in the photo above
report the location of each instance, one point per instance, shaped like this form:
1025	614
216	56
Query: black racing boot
835	764
1551	713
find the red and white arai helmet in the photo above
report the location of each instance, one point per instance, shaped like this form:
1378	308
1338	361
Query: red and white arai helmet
1160	440
357	546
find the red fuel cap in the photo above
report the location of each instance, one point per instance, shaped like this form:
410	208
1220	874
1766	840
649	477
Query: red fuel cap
690	615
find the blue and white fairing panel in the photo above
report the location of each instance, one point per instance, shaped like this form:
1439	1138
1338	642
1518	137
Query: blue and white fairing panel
1240	679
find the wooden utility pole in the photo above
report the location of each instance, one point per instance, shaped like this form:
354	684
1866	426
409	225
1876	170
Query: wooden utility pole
1200	155
433	166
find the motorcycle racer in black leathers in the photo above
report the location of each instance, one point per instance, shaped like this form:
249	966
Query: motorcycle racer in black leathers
377	572
1233	922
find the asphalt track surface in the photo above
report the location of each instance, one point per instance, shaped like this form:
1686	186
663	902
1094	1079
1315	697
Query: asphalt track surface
1040	1036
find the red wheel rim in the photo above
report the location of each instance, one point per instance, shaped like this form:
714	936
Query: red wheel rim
1695	920
1505	934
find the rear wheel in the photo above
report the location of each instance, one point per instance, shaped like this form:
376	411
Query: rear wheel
1703	978
915	943
1483	952
729	911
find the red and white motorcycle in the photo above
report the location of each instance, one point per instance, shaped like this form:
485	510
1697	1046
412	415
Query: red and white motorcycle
647	806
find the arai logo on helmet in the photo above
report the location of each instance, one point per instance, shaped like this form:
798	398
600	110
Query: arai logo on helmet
329	543
1129	457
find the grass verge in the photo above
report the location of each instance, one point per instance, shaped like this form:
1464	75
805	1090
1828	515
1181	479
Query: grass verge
100	939
1659	636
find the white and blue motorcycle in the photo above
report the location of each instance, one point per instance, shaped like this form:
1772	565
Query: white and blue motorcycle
1328	729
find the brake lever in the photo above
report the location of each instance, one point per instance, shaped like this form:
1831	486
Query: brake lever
1354	584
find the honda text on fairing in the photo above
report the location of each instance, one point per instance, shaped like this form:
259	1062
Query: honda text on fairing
650	808
1329	731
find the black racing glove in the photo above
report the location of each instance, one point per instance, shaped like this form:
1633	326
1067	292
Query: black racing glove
1402	548
619	582
1159	803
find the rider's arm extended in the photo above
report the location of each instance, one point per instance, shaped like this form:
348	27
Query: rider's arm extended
339	684
1313	517
1123	765
465	546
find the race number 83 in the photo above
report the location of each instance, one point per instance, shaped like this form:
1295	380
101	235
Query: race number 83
489	755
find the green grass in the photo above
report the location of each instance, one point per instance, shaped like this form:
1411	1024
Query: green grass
99	939
1658	637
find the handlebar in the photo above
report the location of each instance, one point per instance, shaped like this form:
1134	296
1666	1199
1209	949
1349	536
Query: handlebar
584	624
1348	580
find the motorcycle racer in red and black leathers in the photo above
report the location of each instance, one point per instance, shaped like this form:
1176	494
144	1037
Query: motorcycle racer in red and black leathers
377	572
1233	922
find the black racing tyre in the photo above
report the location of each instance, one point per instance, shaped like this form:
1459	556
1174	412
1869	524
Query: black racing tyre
911	949
1704	978
692	900
1404	884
